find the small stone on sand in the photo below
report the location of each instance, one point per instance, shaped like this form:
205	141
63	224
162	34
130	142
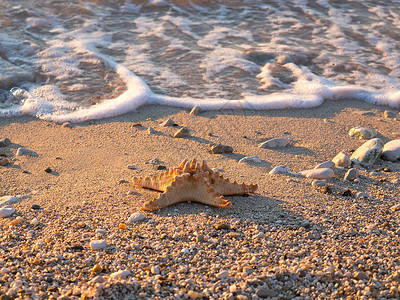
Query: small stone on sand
322	173
23	151
251	159
98	244
6	211
219	149
362	133
368	152
275	143
351	174
279	170
341	160
136	217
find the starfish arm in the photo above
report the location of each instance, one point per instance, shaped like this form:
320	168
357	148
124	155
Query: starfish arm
225	187
158	183
183	189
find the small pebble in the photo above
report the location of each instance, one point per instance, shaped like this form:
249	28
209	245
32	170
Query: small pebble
362	133
223	275
326	190
122	226
351	174
341	160
23	151
220	149
221	226
35	206
318	183
275	143
48	170
96	269
66	125
328	164
6	211
251	159
279	170
18	220
98	244
322	173
119	275
136	217
131	167
160	167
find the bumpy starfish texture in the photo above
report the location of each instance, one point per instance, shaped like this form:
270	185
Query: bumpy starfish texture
192	181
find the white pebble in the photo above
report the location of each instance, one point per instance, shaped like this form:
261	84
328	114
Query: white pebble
5	270
6	211
252	159
341	160
34	221
322	173
119	275
279	170
275	143
23	151
327	164
136	217
98	244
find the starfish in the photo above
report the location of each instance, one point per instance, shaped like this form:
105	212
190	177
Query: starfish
192	181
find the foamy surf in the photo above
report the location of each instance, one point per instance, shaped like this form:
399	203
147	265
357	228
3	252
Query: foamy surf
179	54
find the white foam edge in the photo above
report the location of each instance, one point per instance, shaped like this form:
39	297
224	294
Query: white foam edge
138	94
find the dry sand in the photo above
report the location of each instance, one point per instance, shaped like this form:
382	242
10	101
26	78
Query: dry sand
286	241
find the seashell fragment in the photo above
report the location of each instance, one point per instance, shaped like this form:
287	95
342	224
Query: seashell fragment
181	133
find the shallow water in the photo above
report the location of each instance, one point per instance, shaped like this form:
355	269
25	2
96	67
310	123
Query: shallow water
92	59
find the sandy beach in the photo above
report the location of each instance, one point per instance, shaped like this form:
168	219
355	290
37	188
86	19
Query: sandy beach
286	241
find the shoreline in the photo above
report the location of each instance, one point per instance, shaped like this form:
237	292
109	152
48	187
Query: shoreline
286	240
